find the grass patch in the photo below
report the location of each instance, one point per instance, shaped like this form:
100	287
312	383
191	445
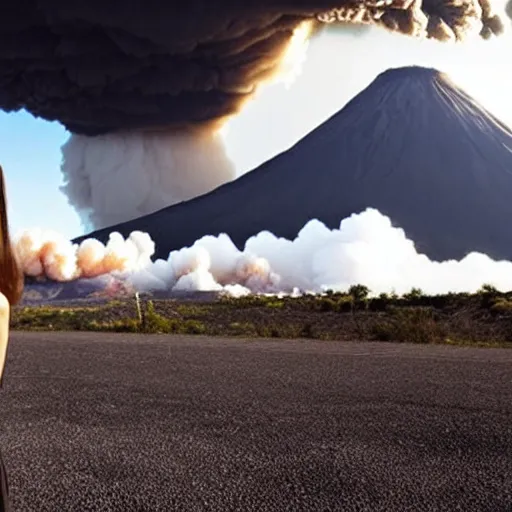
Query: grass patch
480	319
47	318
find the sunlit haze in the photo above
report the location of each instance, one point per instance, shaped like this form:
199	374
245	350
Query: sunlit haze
340	64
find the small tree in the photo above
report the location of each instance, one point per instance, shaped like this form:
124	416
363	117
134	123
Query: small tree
488	289
359	292
489	294
414	295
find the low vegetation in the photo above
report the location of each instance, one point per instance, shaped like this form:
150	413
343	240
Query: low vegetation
484	318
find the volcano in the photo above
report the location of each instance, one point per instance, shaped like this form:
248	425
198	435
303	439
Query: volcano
412	144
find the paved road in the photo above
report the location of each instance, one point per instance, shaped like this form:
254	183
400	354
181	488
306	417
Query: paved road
126	423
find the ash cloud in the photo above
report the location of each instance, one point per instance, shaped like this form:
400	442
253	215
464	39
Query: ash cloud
99	67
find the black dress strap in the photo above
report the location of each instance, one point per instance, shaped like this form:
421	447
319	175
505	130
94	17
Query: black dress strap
4	488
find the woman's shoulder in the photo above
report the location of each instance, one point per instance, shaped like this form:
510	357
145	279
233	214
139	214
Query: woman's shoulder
4	305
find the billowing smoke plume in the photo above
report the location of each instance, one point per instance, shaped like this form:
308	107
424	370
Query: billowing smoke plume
48	254
366	249
120	176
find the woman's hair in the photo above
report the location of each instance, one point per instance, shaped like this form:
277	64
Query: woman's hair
11	275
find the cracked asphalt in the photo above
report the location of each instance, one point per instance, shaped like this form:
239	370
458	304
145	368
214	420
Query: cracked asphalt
132	423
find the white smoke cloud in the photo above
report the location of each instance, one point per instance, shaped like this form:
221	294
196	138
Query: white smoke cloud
366	249
49	254
118	177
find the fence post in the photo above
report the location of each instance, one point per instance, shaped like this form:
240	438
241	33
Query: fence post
141	313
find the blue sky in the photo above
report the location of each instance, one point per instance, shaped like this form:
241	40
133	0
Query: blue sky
338	66
30	156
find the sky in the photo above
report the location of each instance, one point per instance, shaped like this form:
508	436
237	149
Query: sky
339	64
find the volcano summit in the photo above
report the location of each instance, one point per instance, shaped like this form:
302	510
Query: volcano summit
412	145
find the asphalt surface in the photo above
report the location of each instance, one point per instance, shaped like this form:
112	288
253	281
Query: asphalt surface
94	422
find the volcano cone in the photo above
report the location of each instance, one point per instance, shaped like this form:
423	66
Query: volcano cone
412	145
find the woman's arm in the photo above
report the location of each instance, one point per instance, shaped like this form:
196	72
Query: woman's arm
4	332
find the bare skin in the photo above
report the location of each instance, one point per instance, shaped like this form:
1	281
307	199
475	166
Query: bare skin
4	331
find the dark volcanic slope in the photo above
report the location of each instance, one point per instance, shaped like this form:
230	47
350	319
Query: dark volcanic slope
105	423
412	145
98	66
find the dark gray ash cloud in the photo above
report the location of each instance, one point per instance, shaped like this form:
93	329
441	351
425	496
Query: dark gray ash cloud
100	66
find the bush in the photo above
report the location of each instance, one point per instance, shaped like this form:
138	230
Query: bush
414	294
242	329
415	297
307	331
269	331
122	325
340	303
488	295
275	304
155	323
380	303
501	307
413	325
191	327
248	301
488	289
359	292
280	330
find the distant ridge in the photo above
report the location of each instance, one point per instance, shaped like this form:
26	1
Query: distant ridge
412	144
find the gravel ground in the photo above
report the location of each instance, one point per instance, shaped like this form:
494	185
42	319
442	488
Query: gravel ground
131	423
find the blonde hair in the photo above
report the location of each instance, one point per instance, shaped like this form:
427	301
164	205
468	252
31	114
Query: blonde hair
11	275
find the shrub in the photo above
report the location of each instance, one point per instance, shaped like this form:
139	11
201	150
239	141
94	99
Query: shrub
335	304
413	325
191	327
188	310
122	325
307	331
359	292
242	329
415	293
489	294
275	304
269	331
155	323
380	303
488	289
415	297
501	307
